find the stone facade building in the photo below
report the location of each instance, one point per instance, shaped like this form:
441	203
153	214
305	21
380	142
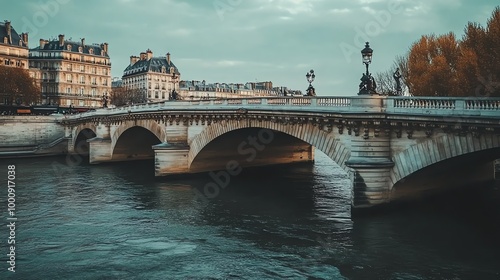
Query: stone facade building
13	46
156	77
72	73
14	51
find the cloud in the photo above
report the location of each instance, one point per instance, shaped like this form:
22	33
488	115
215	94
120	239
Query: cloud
277	40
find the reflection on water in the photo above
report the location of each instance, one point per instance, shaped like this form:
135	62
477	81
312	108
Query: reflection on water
116	221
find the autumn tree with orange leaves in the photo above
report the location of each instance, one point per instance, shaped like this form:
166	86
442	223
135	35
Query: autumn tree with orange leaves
444	66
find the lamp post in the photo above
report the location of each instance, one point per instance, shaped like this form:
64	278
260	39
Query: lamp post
367	85
310	76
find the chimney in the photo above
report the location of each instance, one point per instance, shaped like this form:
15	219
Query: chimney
83	42
8	28
133	59
25	38
105	48
142	56
61	40
149	54
42	43
168	58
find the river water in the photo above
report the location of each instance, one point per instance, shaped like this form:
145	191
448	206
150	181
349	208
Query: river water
116	221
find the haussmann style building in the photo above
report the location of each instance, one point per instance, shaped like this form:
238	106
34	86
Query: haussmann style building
14	51
155	77
13	46
72	73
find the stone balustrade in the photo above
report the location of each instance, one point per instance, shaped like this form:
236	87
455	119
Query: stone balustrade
438	106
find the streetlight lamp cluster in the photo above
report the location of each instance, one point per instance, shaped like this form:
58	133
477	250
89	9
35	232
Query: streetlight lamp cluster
310	76
367	85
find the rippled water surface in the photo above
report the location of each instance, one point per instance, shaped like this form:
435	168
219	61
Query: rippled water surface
116	221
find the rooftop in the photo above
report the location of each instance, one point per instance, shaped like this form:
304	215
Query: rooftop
13	38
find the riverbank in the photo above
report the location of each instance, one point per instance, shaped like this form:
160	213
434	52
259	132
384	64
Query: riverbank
26	136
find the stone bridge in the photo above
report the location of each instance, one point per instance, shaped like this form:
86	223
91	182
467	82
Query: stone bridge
393	148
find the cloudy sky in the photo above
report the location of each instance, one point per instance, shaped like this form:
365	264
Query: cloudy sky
242	41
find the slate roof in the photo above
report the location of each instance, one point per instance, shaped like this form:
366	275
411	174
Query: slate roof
153	64
15	36
54	46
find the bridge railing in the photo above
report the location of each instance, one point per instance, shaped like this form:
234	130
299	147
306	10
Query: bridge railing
482	104
465	106
489	107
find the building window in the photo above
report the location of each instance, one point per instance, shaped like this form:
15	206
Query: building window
82	79
82	68
68	90
81	91
69	78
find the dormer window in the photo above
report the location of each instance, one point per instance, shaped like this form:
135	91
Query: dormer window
163	69
91	51
5	40
172	70
80	49
68	47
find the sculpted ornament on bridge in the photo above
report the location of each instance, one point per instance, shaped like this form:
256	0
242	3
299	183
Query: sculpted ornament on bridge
392	147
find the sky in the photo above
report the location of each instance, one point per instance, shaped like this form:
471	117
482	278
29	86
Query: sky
237	41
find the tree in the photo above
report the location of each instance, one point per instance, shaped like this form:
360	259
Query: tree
125	96
432	66
483	72
17	87
444	66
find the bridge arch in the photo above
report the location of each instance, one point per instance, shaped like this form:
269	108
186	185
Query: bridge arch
82	133
150	125
439	149
133	140
327	142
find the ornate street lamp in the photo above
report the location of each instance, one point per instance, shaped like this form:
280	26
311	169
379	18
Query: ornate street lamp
367	85
367	54
310	76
